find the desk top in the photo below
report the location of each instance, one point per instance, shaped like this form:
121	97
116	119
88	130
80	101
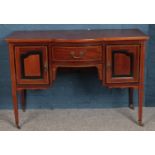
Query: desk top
77	35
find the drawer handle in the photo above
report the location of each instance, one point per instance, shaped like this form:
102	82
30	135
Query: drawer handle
77	57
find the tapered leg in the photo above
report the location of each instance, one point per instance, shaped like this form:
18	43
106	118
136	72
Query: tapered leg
15	106
23	99
131	105
140	104
100	72
54	71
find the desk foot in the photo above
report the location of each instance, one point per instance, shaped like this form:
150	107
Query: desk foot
18	127
131	106
140	123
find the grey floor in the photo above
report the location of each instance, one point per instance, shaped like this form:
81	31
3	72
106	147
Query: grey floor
78	119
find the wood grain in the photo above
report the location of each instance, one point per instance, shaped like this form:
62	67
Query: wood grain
77	35
118	55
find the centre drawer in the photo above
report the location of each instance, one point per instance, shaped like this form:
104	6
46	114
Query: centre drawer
88	53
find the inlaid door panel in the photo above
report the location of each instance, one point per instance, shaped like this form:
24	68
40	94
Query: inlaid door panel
31	64
122	63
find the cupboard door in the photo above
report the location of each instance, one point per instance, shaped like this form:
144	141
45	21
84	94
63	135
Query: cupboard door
122	63
31	64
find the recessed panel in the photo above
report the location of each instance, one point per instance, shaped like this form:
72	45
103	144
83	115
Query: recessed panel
122	64
31	64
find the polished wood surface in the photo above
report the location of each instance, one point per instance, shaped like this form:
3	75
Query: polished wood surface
118	56
77	35
34	70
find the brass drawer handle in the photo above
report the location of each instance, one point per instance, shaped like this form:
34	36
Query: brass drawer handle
77	57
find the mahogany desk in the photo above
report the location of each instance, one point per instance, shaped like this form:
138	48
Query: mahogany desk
118	56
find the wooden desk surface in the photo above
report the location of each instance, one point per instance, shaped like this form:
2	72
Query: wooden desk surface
77	35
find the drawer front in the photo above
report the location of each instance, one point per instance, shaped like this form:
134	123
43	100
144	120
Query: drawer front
89	53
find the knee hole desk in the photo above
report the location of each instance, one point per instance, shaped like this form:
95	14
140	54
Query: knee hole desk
118	55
